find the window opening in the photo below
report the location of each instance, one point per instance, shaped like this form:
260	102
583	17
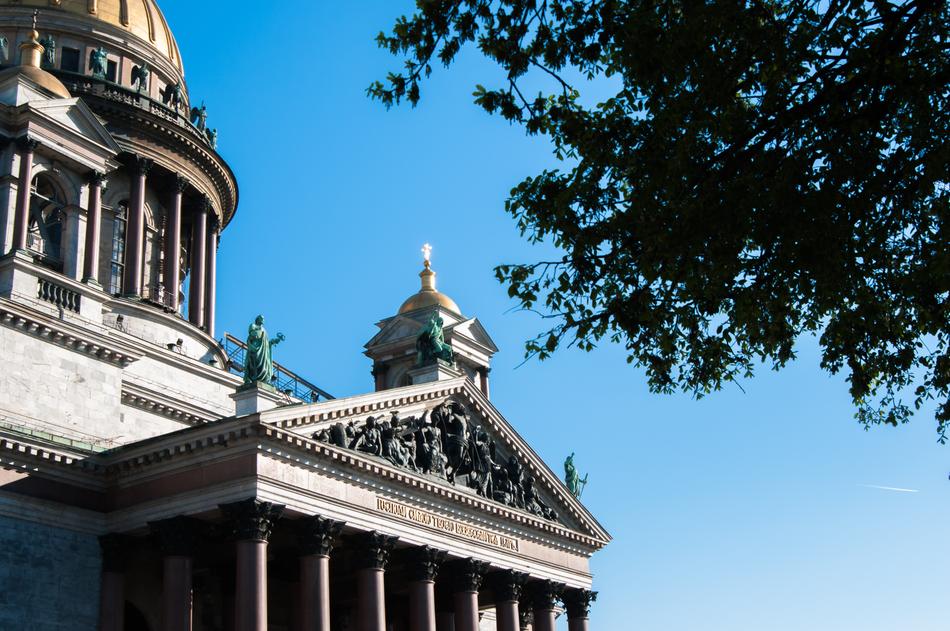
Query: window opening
45	237
69	60
117	256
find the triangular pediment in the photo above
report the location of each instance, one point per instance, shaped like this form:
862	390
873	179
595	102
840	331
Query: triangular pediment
74	116
449	433
395	329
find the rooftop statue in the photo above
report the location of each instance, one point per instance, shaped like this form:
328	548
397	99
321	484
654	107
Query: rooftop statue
430	343
49	50
199	117
98	59
172	96
212	135
4	48
258	363
140	75
573	479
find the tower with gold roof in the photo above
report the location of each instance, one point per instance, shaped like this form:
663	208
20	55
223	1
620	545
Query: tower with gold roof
394	352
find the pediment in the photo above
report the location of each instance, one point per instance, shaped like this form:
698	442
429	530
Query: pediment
395	329
450	434
74	116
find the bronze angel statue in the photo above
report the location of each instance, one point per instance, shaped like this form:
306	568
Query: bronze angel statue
140	75
172	96
199	117
430	343
98	60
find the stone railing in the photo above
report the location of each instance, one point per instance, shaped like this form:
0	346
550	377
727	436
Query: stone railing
58	295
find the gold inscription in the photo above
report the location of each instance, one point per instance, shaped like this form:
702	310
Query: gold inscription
446	525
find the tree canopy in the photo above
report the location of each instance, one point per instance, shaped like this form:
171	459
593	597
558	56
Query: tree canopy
763	170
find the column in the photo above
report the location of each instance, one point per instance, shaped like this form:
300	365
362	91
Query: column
544	595
112	590
21	220
135	233
379	376
252	523
199	238
373	550
483	377
316	536
171	274
508	587
577	602
90	262
177	537
468	580
211	256
423	569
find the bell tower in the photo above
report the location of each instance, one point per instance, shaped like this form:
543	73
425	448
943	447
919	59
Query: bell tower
430	340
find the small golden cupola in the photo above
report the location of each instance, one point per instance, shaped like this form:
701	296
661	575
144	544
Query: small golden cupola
31	55
428	297
429	340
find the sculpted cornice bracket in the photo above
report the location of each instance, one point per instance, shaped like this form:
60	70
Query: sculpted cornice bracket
545	594
577	602
252	519
425	562
509	585
469	574
316	535
373	550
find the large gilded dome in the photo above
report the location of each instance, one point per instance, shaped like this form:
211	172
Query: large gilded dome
141	18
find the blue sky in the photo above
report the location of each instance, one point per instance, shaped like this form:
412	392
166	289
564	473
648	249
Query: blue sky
745	510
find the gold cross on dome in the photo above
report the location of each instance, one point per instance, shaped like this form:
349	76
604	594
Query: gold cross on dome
36	14
427	252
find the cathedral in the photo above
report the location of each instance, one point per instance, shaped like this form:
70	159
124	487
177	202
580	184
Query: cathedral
160	476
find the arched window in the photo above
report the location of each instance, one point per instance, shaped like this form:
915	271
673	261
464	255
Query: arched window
45	237
117	252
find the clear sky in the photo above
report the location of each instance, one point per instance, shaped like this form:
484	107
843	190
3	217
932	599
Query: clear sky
746	510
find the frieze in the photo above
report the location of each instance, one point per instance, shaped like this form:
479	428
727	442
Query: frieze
450	526
444	443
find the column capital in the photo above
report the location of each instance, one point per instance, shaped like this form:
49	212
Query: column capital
526	618
469	574
424	563
509	585
252	519
25	143
95	178
316	535
177	536
181	183
373	550
142	165
544	594
577	602
115	549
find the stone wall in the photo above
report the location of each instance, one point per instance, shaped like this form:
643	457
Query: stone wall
56	389
49	578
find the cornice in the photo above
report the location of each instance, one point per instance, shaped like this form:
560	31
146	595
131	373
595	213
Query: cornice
340	409
379	469
165	127
66	335
149	400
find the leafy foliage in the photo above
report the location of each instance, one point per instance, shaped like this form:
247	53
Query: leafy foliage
765	170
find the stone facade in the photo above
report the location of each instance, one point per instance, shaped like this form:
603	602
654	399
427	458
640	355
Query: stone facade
49	577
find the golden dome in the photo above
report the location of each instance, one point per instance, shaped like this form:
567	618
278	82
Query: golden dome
39	77
428	297
141	18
